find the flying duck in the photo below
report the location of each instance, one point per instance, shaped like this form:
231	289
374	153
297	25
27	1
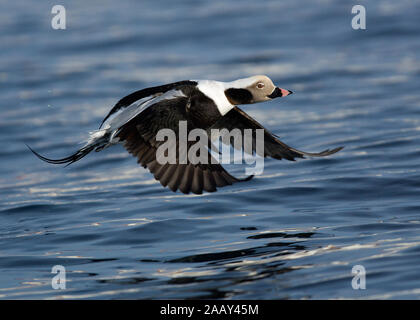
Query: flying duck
137	118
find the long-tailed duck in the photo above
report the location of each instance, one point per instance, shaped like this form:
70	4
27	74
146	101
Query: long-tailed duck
137	118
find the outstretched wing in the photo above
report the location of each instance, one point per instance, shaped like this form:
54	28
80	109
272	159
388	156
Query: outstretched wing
139	137
273	147
141	96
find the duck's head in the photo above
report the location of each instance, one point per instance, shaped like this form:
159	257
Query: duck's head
253	89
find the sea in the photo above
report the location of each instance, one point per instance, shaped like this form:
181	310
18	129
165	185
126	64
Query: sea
345	226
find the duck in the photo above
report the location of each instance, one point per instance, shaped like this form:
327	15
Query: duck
137	119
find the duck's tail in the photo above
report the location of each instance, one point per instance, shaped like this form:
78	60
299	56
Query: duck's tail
98	140
68	160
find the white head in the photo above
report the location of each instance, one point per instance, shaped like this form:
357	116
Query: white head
253	89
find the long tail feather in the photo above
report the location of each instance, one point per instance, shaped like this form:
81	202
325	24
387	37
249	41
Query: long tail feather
68	160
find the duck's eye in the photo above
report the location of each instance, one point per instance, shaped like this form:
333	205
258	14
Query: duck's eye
260	85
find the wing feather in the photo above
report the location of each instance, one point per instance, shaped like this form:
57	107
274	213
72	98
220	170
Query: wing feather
139	137
273	147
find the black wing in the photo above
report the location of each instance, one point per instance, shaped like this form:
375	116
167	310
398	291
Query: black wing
151	92
273	147
139	137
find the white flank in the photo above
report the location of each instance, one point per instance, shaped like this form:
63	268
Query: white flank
95	136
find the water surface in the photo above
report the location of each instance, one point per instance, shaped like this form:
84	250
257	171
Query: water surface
295	232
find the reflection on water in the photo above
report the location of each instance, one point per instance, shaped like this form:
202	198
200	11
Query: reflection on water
296	231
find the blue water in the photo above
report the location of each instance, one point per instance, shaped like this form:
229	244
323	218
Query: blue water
295	232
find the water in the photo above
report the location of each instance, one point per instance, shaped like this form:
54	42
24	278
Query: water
294	232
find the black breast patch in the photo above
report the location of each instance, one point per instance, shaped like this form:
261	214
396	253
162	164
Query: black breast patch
202	110
238	96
